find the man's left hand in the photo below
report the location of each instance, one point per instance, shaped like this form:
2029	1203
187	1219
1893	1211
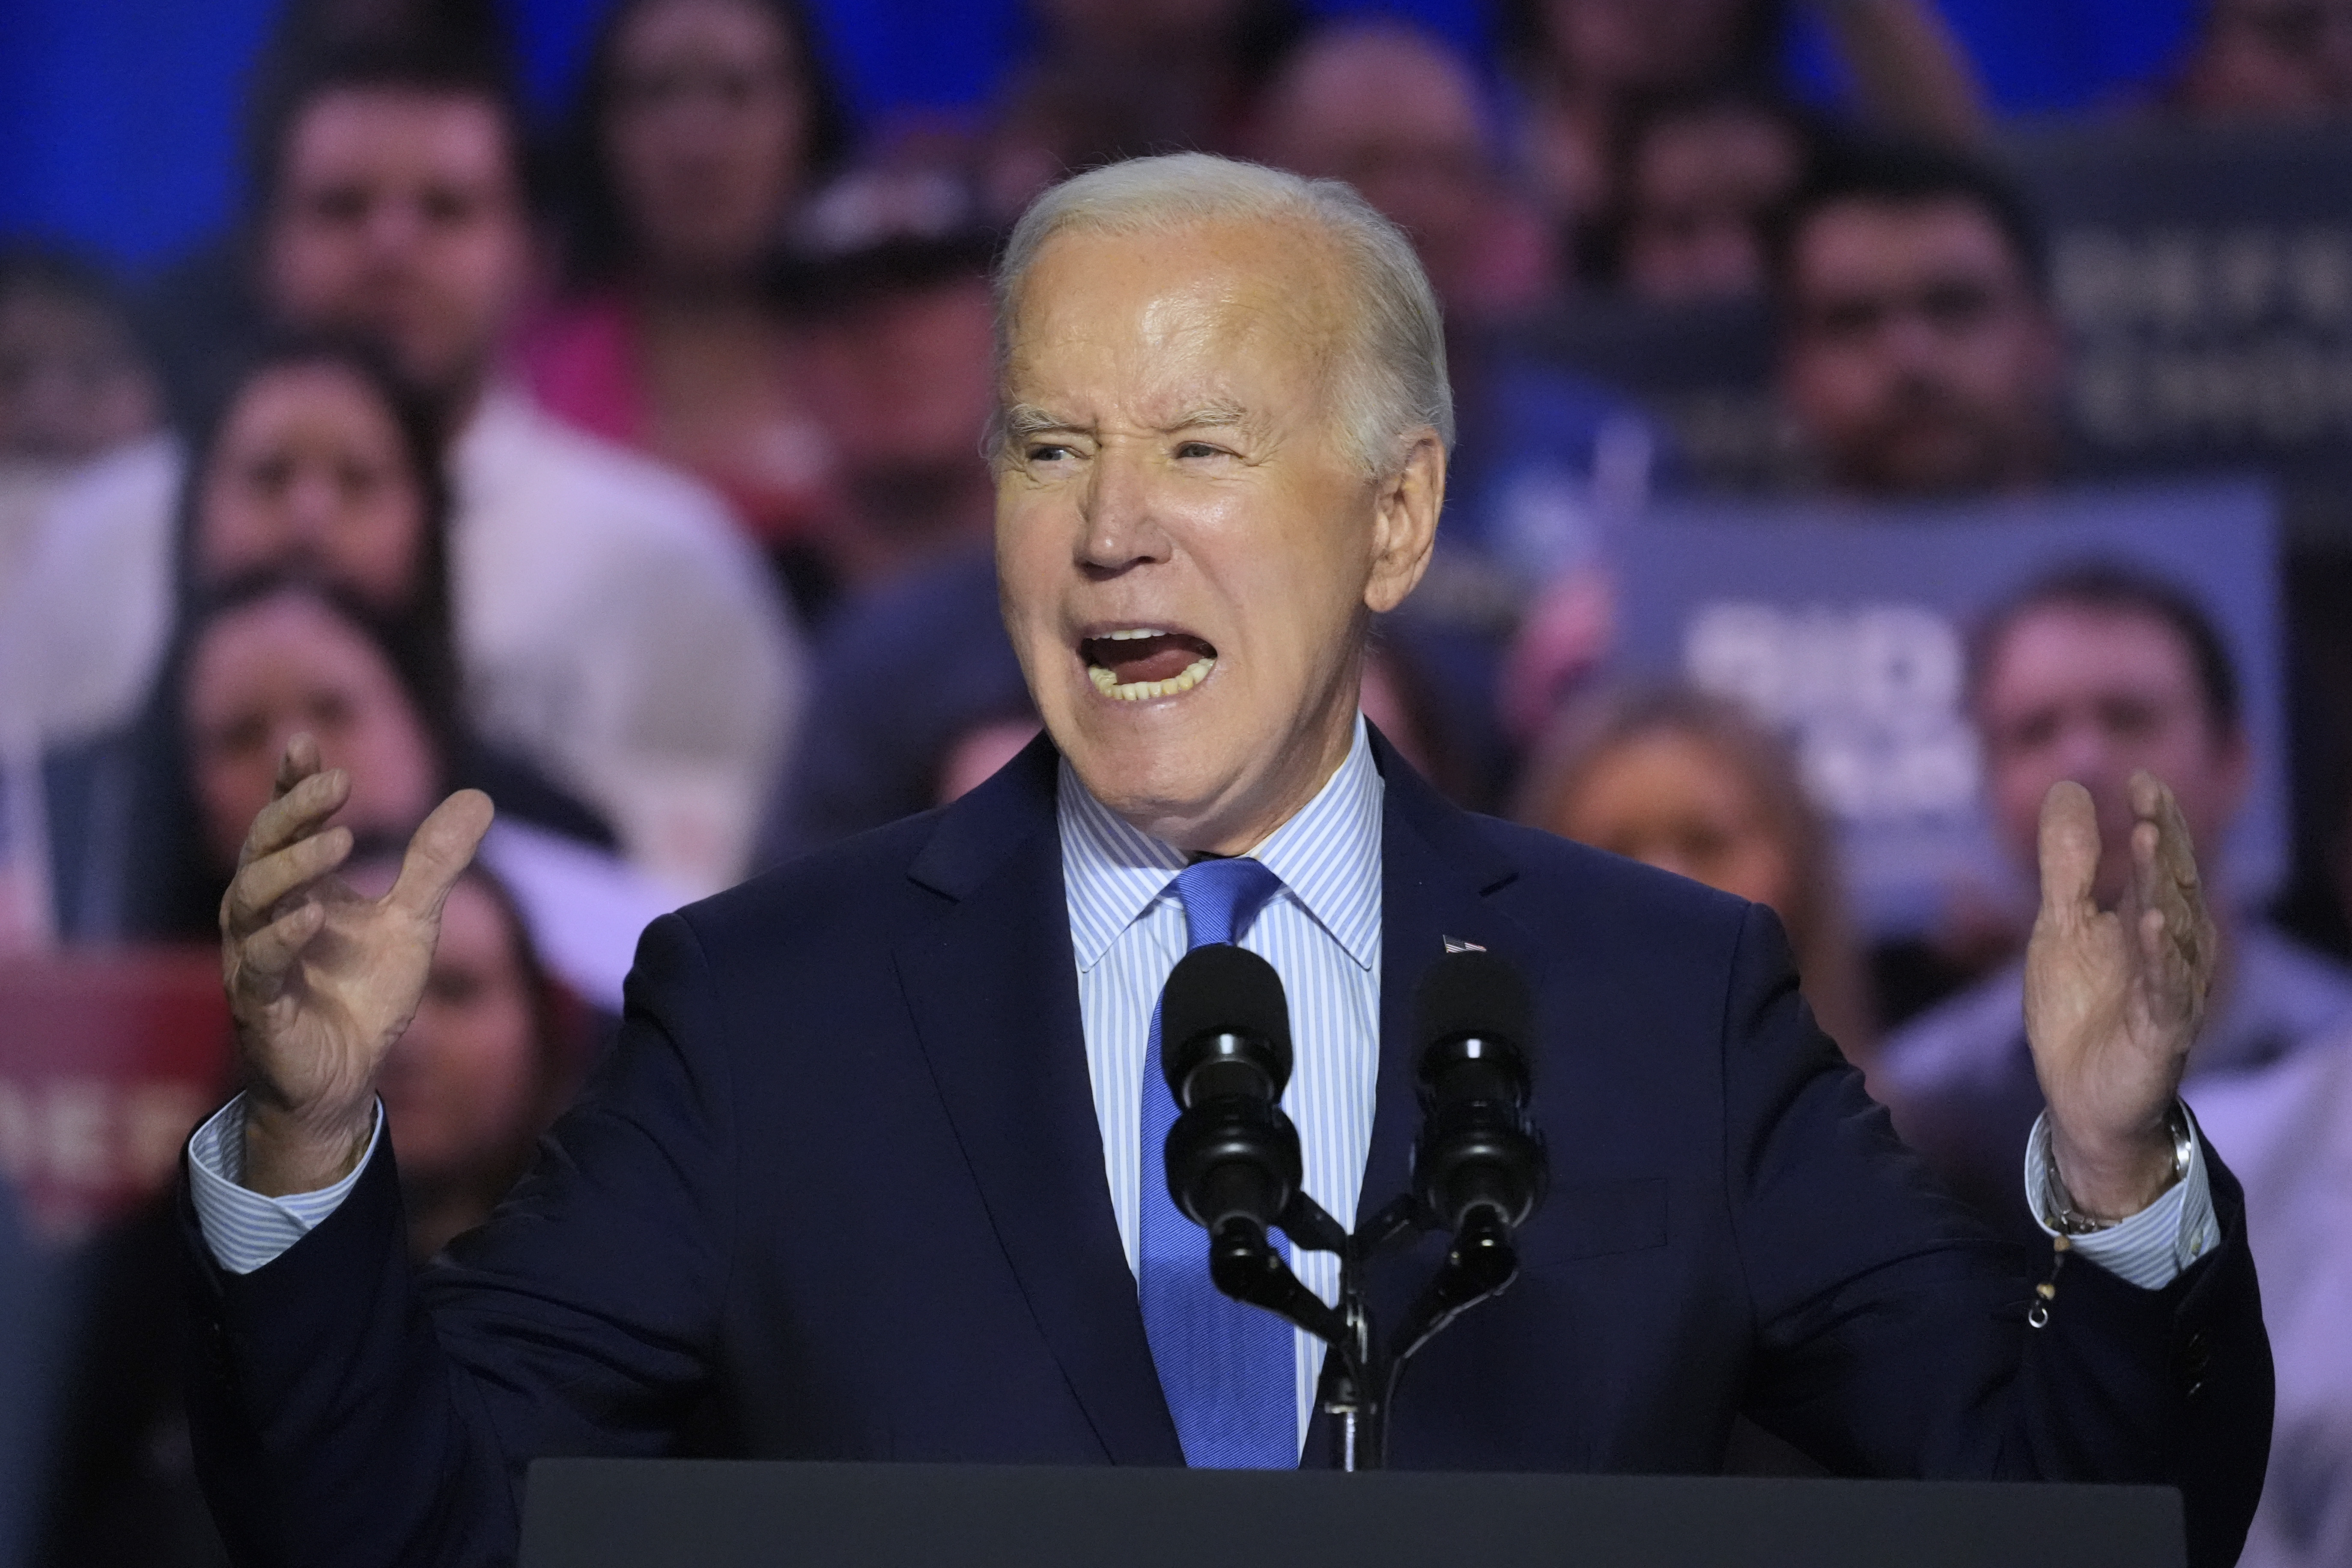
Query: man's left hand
2113	999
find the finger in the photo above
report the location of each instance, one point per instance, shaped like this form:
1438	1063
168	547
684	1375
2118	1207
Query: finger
260	885
297	814
439	853
299	761
259	967
2165	864
2069	851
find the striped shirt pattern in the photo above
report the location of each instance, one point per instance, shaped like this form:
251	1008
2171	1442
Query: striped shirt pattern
2152	1248
1321	933
244	1230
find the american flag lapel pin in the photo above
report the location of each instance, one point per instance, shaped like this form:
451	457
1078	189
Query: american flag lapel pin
1455	944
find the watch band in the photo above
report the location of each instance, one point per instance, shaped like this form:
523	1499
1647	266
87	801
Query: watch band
2058	1210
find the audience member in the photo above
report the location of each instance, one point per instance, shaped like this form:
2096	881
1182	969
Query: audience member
2286	1130
2267	61
1700	177
1117	78
903	677
2091	674
1688	782
902	365
74	383
1585	68
1399	115
495	1051
1919	355
316	460
700	125
144	830
614	625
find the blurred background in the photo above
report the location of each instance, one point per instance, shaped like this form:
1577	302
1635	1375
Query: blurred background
1872	411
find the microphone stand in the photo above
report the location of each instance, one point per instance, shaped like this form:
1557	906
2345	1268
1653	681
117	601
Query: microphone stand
1360	1380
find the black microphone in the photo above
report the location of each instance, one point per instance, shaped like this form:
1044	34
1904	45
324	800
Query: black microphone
1224	1045
1479	1161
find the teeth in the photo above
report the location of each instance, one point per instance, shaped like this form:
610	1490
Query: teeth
1143	690
1133	634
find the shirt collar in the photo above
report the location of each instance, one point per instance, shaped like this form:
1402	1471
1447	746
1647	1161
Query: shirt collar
1328	856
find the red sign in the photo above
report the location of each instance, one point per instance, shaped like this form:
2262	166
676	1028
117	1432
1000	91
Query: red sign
108	1059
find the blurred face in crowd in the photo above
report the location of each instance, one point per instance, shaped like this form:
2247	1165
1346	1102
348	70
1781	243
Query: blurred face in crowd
1917	356
1631	46
1669	798
1700	185
2090	694
707	133
72	384
265	671
1187	547
399	214
1397	117
2272	60
463	1085
903	379
309	471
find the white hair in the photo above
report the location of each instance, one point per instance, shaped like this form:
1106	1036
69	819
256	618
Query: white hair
1390	376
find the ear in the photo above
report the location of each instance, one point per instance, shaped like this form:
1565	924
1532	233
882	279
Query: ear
1404	522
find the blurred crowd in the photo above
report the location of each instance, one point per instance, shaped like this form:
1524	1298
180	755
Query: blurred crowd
629	469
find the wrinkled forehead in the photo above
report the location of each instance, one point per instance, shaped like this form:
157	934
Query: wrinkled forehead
1191	314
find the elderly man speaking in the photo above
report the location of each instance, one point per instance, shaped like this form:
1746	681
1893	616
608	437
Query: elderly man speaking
875	1170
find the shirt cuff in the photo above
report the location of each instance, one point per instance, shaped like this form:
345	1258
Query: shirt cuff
2152	1248
243	1229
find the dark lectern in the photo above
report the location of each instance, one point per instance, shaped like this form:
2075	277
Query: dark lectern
608	1513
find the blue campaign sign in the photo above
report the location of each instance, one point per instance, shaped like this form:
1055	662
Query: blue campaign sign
1847	626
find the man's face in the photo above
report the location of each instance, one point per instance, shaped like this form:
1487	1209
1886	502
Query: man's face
398	214
1919	358
2074	692
1186	549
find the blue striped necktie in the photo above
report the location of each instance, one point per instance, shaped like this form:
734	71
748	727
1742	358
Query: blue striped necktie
1226	1368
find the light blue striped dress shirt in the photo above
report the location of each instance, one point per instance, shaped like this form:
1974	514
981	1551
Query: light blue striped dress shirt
1321	933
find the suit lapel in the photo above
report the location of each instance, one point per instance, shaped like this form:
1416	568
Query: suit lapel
993	989
1436	874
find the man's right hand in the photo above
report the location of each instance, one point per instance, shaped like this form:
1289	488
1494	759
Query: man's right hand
321	981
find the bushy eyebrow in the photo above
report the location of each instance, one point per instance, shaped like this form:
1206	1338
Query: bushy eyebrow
1210	417
1026	419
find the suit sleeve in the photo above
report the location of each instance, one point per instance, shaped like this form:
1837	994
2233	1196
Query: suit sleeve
1894	1328
347	1407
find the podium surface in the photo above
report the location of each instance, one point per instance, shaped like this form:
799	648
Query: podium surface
603	1513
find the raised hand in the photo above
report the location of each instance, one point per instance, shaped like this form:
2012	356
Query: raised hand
2113	999
321	981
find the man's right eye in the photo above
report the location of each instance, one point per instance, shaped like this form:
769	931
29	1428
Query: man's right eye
1047	452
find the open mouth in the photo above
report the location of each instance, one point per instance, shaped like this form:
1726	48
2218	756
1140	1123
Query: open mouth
1136	664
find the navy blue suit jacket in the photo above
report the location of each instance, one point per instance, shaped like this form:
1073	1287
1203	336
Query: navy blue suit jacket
840	1194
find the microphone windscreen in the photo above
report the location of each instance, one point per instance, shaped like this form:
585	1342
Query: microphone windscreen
1224	990
1473	993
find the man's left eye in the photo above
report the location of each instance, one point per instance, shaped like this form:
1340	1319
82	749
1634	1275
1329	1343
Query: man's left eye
1199	449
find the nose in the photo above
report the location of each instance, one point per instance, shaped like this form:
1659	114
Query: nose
1121	526
311	504
393	225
